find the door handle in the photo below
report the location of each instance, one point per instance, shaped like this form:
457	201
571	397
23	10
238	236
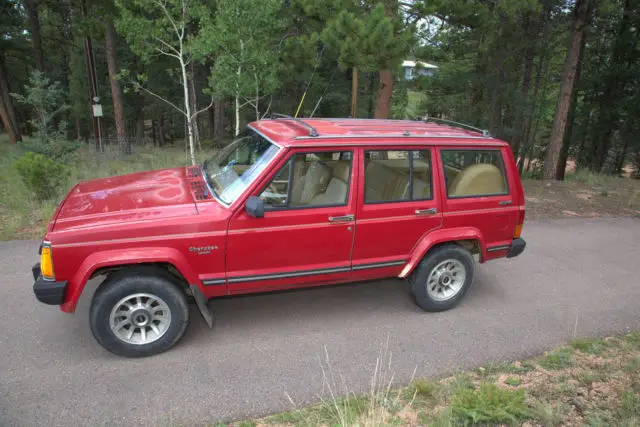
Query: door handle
505	202
429	211
342	218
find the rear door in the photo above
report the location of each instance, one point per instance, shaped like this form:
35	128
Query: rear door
478	192
397	205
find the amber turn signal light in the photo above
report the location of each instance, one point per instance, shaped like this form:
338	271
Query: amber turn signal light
518	231
46	263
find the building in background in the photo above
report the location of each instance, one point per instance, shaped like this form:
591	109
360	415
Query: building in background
413	69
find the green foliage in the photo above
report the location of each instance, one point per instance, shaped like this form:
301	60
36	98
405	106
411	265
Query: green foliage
558	359
368	35
41	175
245	41
490	405
512	381
589	345
160	27
46	100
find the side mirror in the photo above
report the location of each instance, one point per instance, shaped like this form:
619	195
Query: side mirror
255	207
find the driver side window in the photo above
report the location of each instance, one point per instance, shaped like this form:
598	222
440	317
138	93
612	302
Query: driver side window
310	180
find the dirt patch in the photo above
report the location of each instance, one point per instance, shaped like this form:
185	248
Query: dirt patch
607	197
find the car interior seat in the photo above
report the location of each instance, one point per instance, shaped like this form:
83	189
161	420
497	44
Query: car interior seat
478	179
338	186
314	181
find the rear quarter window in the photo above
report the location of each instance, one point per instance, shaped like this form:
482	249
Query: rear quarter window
474	173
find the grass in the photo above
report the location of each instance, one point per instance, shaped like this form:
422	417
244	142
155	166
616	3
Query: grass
568	386
589	345
557	359
23	217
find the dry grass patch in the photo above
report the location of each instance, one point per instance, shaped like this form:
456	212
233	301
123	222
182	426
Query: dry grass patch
590	382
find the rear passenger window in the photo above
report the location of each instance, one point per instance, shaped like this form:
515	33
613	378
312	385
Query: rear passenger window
396	176
310	180
470	173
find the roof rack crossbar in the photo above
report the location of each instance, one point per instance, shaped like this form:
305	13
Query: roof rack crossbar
393	135
484	132
312	130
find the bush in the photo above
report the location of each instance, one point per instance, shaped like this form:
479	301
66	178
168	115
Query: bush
41	175
52	146
490	405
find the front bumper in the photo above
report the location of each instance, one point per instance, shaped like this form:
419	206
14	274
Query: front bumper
48	291
517	247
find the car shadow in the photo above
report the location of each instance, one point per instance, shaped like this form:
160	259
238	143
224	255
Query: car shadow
287	313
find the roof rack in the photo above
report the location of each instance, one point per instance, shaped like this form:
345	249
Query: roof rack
484	132
312	130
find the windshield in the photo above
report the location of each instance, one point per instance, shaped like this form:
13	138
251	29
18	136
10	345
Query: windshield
230	171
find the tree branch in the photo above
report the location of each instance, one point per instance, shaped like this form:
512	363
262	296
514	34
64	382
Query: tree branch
164	52
163	100
247	102
268	107
184	22
203	109
167	45
166	12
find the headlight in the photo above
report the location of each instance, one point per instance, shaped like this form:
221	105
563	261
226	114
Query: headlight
46	262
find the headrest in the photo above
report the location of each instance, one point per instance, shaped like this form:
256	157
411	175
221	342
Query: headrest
341	170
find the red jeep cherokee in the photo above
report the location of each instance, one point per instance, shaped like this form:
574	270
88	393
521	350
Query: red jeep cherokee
290	203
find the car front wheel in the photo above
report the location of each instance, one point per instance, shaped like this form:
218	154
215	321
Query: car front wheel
139	313
443	278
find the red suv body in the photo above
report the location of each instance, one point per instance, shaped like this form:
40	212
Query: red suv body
291	203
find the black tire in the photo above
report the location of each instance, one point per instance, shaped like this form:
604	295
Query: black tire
428	264
153	281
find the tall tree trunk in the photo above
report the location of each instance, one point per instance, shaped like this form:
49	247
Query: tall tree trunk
219	121
154	136
6	122
187	108
212	123
237	110
34	28
140	129
116	92
194	104
160	123
354	92
566	142
372	90
581	16
625	136
7	112
385	92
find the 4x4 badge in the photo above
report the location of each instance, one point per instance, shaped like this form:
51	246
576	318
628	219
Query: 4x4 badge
202	250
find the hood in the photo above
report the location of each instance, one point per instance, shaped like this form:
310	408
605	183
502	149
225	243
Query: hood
133	197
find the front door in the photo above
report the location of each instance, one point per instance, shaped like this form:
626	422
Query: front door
398	205
306	234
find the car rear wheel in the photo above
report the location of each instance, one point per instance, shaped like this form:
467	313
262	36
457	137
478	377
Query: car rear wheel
443	278
138	313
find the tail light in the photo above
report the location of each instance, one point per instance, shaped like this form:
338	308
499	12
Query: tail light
520	223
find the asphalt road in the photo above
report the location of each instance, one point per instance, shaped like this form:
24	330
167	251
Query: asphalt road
576	277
